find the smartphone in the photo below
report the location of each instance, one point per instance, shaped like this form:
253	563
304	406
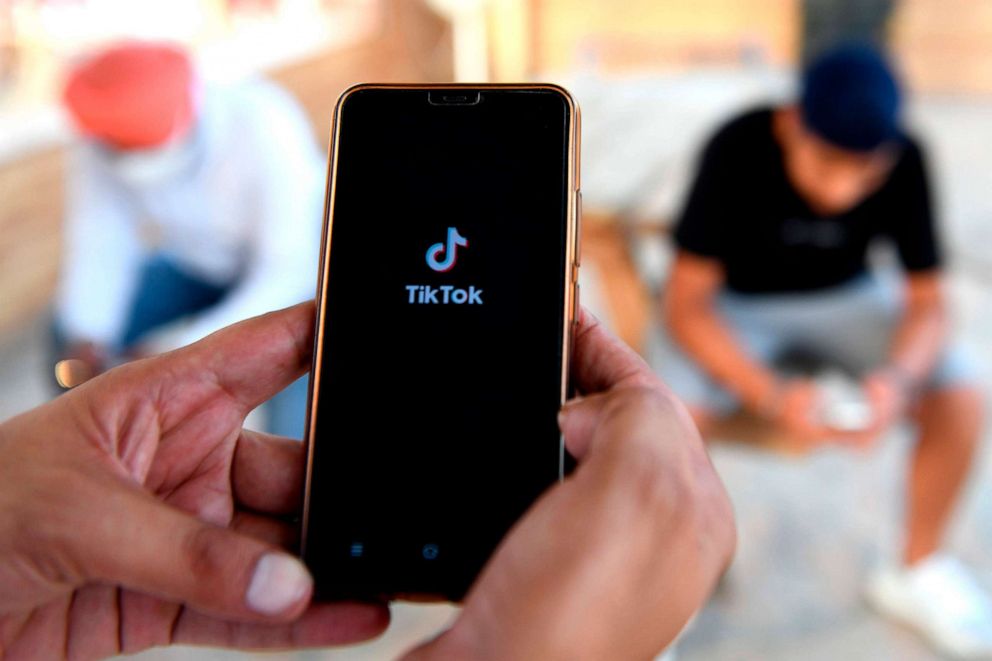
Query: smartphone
446	304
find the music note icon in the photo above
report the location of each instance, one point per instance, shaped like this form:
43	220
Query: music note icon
449	249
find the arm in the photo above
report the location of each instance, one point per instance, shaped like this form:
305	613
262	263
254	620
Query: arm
101	256
697	277
690	313
287	188
922	330
916	344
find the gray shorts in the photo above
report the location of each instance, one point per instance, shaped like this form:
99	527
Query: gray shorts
848	327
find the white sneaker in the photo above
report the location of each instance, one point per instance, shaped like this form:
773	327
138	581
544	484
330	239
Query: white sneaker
939	598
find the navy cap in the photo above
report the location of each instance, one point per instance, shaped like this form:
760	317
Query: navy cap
851	98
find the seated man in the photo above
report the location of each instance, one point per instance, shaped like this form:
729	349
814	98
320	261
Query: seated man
192	205
772	258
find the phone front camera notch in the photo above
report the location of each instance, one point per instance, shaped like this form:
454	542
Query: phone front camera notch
454	97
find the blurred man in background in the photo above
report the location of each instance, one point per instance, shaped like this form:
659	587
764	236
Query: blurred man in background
191	206
773	258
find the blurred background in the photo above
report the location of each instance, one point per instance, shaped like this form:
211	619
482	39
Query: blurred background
653	78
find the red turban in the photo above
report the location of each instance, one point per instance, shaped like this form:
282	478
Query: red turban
133	96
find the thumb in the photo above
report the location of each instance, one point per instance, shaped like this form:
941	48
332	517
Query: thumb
578	420
143	544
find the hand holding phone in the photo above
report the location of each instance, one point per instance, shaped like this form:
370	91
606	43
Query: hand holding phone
613	562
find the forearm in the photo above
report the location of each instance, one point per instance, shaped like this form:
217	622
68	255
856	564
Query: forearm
101	257
918	339
96	287
705	336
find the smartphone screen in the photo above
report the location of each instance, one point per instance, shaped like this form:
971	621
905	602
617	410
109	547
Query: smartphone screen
442	338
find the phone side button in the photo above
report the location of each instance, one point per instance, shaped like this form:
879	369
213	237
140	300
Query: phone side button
578	227
576	306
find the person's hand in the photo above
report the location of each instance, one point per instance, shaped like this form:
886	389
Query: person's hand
614	561
796	412
135	511
85	360
91	354
888	396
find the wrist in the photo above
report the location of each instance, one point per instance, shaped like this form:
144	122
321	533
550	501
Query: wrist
82	361
765	398
898	377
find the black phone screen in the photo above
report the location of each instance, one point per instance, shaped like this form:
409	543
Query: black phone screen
440	368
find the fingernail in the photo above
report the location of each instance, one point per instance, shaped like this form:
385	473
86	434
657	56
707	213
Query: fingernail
279	582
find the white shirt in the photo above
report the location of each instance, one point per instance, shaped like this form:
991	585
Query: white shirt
247	216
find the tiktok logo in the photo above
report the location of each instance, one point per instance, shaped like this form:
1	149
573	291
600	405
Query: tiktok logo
444	294
449	249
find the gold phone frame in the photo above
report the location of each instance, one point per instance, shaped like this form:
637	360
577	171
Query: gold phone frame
573	248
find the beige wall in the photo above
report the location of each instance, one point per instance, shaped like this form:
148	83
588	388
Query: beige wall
30	235
945	46
660	33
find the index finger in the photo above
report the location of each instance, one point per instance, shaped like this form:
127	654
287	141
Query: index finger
601	361
255	359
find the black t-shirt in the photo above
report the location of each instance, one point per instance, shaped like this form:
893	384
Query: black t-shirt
743	211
